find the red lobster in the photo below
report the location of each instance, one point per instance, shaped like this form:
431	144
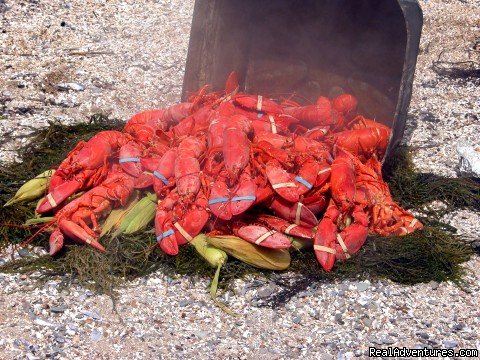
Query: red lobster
85	166
75	218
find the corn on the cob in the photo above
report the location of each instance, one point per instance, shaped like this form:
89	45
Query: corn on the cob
115	218
261	257
139	216
216	258
32	189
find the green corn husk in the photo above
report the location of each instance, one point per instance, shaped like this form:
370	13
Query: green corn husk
300	243
116	216
139	216
32	189
258	256
216	258
41	220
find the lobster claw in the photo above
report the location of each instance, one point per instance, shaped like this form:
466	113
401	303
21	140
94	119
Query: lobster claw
57	195
192	222
289	186
77	233
226	203
167	241
56	242
129	158
262	236
324	243
286	227
296	213
330	244
164	229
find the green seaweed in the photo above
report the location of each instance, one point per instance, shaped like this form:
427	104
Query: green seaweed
434	253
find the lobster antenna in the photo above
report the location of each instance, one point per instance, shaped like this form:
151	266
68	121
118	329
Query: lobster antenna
29	240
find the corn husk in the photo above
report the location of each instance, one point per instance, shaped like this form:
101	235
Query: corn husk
32	189
139	216
261	257
300	243
116	216
41	220
216	258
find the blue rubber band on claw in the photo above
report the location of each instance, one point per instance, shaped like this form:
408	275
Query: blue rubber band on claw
161	177
128	159
246	197
303	182
165	234
217	200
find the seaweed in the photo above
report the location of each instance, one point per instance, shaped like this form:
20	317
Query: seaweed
414	190
434	253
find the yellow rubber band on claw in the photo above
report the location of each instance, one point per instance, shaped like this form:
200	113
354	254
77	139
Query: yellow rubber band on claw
259	102
323	171
264	237
289	228
343	246
298	214
324	248
272	123
89	240
51	200
182	231
284	185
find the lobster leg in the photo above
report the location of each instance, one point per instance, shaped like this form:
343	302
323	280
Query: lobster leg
78	233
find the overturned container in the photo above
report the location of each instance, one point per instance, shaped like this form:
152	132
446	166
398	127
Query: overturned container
310	48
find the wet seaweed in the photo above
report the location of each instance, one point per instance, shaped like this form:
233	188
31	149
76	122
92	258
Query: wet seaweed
419	191
434	253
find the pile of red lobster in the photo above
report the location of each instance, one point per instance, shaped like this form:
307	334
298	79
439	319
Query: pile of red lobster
234	163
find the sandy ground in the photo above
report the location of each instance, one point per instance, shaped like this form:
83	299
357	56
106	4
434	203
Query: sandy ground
121	60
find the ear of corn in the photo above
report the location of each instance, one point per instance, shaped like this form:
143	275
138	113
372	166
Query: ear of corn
216	258
139	216
261	257
116	216
32	189
210	253
300	243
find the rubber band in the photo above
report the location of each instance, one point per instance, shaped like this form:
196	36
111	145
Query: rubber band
259	115
303	182
324	248
128	159
323	171
284	185
259	102
343	246
272	123
413	223
89	240
264	237
51	200
182	231
289	228
165	234
298	213
161	177
246	197
218	200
